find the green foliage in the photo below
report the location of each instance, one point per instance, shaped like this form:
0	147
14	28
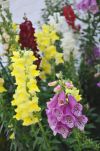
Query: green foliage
88	68
80	142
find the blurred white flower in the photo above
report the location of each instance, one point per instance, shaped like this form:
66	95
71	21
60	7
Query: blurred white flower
69	44
58	22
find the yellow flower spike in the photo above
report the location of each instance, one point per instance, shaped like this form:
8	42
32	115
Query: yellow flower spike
25	98
46	39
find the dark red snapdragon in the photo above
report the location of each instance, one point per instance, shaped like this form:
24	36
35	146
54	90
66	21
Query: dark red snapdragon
69	16
28	40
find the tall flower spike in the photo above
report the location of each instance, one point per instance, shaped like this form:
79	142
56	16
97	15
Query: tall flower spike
70	16
64	112
25	98
28	40
46	39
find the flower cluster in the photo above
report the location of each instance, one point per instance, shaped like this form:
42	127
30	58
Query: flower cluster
59	23
26	34
69	44
8	37
64	112
46	43
88	5
28	40
69	16
25	98
2	89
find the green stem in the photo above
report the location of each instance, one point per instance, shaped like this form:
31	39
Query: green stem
44	135
79	148
6	72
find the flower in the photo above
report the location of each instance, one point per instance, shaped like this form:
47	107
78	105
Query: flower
68	37
28	40
69	16
69	45
46	39
65	113
2	89
57	88
88	5
52	83
58	22
25	98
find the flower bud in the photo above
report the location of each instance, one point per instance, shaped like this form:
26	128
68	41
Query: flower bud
52	83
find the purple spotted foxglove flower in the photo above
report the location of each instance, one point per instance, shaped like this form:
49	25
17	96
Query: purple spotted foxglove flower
64	114
88	5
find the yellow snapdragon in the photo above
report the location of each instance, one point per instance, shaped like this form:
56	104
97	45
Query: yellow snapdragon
25	98
46	39
73	91
2	89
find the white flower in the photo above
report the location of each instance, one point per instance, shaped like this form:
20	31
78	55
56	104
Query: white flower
58	22
69	44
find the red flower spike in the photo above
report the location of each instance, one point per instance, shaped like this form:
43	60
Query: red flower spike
70	16
28	40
